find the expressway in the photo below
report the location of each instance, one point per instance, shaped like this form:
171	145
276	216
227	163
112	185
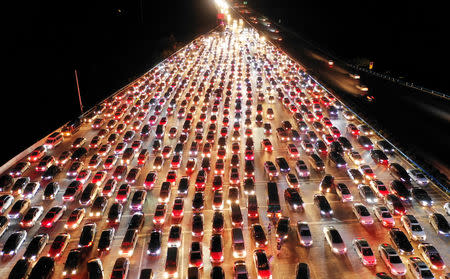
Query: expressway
214	52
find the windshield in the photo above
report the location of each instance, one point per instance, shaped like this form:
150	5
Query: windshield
367	252
395	259
416	228
335	236
305	233
386	215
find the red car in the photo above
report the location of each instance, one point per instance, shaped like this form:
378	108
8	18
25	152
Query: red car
249	154
150	180
109	188
216	248
59	245
220	167
190	165
160	214
37	154
53	216
200	181
171	177
176	161
293	151
178	208
123	193
266	145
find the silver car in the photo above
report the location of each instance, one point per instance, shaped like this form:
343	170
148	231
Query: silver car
413	227
367	193
334	239
304	234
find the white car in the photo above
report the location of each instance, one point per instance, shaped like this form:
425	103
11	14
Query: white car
362	214
344	193
418	177
367	193
391	259
364	251
384	215
304	234
334	239
413	227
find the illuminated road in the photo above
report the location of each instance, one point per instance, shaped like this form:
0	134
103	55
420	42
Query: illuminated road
322	262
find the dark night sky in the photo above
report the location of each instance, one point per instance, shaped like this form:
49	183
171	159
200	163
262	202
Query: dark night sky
109	44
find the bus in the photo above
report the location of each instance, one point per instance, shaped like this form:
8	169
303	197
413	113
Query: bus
273	200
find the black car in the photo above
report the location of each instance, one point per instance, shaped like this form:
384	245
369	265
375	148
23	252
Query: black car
282	229
398	172
6	182
336	146
323	205
98	207
218	222
183	186
43	269
115	214
73	262
50	191
20	270
51	172
137	221
439	223
386	147
378	156
345	143
146	273
292	196
198	201
19	185
327	183
365	142
249	186
154	246
337	159
398	188
79	154
283	164
401	241
422	196
197	225
105	241
13	243
95	269
87	235
35	247
302	271
217	273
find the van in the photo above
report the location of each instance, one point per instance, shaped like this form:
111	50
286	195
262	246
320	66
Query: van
53	140
238	243
252	206
236	215
171	269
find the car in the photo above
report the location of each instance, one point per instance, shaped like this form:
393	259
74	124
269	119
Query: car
439	223
391	259
431	256
307	146
35	247
292	180
154	245
178	208
196	255
136	222
44	268
95	269
365	253
293	198
160	214
379	188
365	142
418	177
262	264
87	235
129	242
52	216
344	192
150	179
157	163
282	228
367	194
216	248
337	159
384	215
62	160
88	194
37	154
98	207
30	218
21	269
4	224
75	218
5	202
99	177
120	268
422	196
266	145
19	208
83	176
399	188
399	173
334	240
123	193
110	162
30	190
385	146
327	183
240	270
59	245
355	157
304	234
400	240
324	206
367	172
13	243
379	157
362	214
19	169
413	227
355	175
395	204
105	240
419	268
198	201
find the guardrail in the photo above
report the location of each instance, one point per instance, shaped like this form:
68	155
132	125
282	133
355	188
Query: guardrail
411	161
401	82
10	163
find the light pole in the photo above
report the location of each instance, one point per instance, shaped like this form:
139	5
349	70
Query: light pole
78	88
